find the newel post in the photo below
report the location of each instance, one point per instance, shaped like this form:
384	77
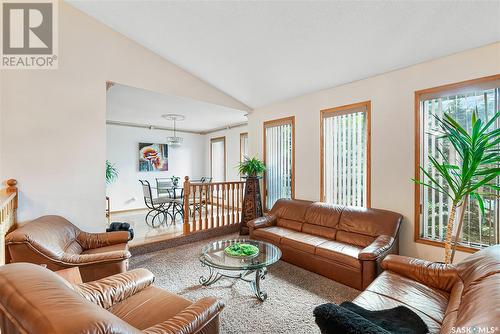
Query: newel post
12	188
187	186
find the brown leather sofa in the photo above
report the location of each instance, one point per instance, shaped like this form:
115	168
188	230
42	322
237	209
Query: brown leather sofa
343	243
461	298
55	242
37	301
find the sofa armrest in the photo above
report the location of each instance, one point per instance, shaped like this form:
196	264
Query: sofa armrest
437	275
96	240
190	320
379	247
111	290
87	259
264	221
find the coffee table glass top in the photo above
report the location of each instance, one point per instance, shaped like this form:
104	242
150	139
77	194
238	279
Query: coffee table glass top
213	255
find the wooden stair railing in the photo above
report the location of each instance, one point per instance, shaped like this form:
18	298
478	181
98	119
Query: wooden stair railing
8	216
211	205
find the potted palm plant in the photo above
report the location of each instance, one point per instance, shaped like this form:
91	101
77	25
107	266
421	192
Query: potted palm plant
475	169
252	170
111	172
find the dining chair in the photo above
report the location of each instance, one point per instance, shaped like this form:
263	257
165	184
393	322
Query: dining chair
158	206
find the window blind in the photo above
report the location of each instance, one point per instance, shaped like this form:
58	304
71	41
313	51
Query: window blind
477	230
345	157
279	160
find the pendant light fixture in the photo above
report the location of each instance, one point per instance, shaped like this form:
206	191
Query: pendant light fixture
174	140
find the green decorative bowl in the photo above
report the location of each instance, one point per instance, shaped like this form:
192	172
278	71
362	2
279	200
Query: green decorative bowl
240	250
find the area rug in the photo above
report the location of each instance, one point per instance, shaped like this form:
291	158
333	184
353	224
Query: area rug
292	291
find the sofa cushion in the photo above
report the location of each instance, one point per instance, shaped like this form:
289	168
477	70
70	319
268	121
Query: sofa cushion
273	233
340	252
303	241
289	224
112	248
323	214
321	231
356	239
291	209
149	307
391	289
372	222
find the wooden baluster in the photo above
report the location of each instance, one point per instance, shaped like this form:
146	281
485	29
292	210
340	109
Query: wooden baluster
200	207
233	187
237	202
195	223
186	228
212	225
207	187
223	186
228	206
218	219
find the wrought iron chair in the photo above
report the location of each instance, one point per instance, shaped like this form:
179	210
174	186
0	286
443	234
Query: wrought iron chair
158	207
165	188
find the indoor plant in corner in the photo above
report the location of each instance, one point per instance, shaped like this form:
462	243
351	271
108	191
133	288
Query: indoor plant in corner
466	177
111	175
252	170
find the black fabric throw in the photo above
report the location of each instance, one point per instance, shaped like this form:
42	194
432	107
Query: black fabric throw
349	318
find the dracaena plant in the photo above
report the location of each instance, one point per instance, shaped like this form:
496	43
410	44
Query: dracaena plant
251	167
111	172
465	178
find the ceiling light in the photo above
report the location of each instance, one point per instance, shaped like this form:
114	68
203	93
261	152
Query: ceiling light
174	140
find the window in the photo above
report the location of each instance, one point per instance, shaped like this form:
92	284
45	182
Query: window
218	159
345	155
243	146
279	157
431	208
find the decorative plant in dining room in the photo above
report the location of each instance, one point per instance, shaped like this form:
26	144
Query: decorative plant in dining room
475	168
111	172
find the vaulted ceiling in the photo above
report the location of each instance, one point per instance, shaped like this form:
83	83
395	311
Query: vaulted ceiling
262	52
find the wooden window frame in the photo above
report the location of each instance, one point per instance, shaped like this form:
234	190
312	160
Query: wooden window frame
242	134
269	124
324	114
417	208
217	139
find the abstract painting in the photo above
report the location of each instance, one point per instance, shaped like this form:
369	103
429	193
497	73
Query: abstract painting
153	157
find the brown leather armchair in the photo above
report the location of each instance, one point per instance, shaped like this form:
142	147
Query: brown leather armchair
461	298
37	301
346	244
55	242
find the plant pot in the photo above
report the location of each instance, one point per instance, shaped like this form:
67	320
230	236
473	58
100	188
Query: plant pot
252	203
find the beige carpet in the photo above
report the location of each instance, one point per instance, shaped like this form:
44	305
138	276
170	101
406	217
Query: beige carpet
292	291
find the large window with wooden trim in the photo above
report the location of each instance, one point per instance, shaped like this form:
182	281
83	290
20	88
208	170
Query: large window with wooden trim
218	159
432	207
279	158
243	146
345	155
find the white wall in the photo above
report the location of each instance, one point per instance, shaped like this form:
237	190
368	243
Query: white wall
392	97
122	150
232	150
53	122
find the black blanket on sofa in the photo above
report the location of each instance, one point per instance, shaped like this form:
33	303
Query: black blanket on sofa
349	318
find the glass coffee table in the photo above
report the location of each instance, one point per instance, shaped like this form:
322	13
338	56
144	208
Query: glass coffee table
222	265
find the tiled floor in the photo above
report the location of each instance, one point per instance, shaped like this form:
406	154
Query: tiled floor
144	233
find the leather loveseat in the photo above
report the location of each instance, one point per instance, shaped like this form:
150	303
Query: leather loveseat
343	243
461	298
37	301
55	242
